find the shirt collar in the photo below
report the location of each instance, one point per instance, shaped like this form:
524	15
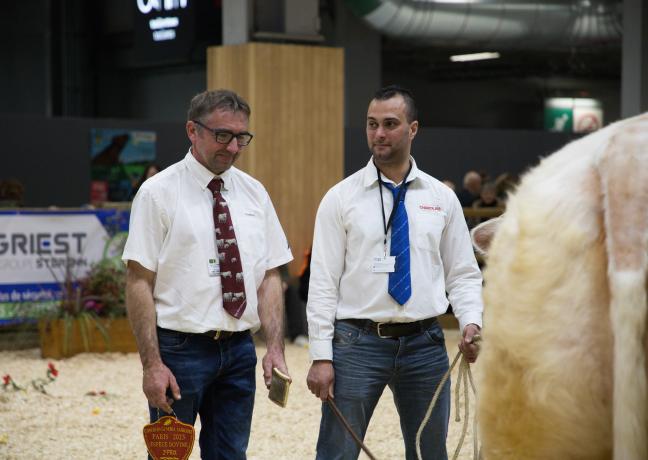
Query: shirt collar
370	177
203	175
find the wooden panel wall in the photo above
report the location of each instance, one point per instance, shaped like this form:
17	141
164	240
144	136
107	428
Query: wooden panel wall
296	94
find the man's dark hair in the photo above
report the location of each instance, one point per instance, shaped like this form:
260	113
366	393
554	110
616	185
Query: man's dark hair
203	104
395	90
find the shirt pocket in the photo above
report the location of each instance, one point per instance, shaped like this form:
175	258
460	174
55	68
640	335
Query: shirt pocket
428	228
251	232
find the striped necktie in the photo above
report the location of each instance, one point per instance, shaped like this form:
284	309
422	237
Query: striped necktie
400	281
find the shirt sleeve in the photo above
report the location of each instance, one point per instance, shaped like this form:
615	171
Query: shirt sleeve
278	248
327	264
463	278
147	230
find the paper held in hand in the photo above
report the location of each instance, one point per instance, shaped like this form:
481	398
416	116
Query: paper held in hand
169	439
279	386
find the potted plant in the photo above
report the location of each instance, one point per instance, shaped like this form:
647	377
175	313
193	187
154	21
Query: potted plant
90	316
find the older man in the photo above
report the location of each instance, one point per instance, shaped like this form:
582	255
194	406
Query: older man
389	242
202	253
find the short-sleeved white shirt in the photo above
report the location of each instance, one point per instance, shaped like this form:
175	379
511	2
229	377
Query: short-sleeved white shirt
172	234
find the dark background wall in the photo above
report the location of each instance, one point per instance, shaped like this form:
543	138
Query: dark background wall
52	156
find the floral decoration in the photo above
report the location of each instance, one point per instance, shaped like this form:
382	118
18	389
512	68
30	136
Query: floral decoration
8	383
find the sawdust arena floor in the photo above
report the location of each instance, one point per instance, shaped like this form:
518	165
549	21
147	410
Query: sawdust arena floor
69	424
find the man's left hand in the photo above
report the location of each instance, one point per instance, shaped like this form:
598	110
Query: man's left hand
270	360
467	344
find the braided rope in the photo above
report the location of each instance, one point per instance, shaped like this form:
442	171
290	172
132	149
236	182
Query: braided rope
466	375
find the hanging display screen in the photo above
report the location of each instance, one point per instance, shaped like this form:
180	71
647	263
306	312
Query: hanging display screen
175	31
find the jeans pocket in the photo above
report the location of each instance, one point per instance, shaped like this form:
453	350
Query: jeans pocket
435	334
172	340
346	334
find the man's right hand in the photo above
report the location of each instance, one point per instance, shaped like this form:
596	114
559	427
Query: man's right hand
321	378
157	378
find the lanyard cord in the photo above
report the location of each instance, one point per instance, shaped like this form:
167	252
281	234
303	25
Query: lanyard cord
401	195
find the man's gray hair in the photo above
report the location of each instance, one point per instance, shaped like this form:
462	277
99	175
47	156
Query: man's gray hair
203	104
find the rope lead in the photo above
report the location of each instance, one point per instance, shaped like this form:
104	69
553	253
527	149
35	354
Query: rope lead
466	375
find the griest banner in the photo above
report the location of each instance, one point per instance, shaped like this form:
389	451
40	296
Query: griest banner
36	248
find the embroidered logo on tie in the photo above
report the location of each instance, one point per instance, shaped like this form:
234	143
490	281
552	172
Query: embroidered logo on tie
231	271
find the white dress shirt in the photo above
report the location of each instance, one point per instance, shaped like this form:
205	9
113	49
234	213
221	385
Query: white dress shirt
349	233
172	234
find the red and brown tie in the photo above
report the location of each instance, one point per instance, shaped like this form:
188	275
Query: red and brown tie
231	271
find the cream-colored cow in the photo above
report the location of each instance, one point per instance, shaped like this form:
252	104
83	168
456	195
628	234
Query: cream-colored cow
565	342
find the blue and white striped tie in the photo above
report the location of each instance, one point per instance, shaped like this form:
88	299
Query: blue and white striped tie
400	282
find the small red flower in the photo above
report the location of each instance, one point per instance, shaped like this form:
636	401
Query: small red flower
52	370
6	379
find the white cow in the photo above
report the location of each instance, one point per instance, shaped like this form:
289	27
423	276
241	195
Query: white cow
565	342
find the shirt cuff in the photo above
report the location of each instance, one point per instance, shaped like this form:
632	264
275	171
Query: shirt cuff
469	318
320	349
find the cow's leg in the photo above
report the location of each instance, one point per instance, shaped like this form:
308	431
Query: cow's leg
623	168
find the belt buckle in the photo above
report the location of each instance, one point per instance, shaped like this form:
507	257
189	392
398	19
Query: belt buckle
217	335
378	326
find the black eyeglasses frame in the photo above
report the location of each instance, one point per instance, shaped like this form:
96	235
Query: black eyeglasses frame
242	139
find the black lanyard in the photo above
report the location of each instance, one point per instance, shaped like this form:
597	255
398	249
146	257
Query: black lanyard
401	195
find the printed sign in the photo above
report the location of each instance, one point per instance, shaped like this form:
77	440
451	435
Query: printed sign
118	160
36	249
578	115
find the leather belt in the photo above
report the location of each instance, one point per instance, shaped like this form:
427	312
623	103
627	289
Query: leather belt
221	335
391	330
214	335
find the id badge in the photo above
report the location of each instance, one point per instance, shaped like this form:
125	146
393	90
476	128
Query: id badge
213	268
384	264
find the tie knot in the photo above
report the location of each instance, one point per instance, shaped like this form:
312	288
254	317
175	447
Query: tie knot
394	188
215	184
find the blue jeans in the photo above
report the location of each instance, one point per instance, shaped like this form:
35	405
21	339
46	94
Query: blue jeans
364	364
217	381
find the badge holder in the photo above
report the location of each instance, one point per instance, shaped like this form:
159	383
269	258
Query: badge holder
168	438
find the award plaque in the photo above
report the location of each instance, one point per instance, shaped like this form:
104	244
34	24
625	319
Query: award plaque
169	439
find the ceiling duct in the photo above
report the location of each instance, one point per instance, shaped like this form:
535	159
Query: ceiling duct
551	24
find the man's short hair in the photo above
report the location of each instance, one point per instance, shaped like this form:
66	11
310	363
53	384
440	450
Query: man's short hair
471	176
203	104
411	112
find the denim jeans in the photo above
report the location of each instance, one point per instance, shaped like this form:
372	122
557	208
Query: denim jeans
364	364
217	382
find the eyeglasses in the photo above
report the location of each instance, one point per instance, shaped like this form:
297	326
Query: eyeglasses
224	136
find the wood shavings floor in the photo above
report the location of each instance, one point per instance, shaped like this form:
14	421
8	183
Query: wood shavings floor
68	424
